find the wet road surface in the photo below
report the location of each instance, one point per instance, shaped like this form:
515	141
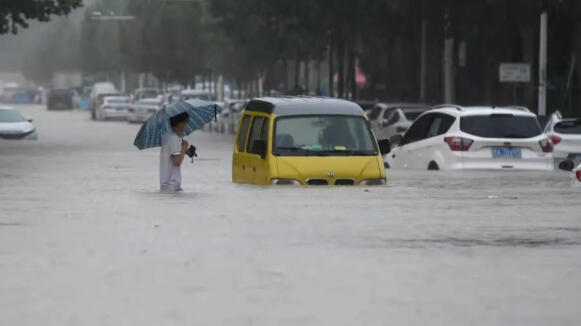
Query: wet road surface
87	239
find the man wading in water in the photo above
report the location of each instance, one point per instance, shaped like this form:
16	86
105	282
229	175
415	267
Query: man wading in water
173	150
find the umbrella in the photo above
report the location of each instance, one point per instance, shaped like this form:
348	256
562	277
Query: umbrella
200	113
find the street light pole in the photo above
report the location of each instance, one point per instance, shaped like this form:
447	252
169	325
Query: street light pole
543	62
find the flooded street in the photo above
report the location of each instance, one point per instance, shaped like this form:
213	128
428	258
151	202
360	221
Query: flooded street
87	239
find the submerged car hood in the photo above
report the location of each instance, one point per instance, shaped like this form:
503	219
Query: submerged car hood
16	127
330	167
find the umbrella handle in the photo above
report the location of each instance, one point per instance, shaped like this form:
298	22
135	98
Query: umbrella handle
215	113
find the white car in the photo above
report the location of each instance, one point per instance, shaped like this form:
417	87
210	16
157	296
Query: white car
228	122
566	137
199	94
390	119
98	92
14	126
113	107
140	111
452	137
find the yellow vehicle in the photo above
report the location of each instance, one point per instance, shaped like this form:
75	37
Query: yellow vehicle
306	141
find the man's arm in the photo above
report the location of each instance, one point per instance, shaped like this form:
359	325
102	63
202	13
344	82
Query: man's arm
178	158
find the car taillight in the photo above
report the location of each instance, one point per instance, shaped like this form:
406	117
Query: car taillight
546	145
459	144
555	139
401	129
578	174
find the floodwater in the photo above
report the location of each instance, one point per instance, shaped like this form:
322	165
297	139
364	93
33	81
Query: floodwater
86	239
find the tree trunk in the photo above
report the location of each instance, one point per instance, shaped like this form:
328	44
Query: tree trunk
341	69
351	74
318	88
297	76
331	69
307	76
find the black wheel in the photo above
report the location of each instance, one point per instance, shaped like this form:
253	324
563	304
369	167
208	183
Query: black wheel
433	166
386	165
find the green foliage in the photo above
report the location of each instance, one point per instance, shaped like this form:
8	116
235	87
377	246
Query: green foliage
14	14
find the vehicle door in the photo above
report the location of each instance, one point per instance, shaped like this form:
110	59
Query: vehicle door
412	144
257	168
433	146
240	157
388	123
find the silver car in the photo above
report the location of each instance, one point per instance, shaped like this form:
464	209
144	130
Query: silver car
391	119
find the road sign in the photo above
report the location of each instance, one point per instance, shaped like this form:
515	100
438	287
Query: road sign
515	73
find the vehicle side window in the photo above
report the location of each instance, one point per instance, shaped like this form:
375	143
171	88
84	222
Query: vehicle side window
264	130
255	132
375	112
243	133
447	122
440	124
419	130
387	113
393	119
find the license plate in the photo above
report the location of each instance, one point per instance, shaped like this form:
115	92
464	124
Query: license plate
499	152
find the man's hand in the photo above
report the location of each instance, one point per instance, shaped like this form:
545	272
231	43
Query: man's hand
185	145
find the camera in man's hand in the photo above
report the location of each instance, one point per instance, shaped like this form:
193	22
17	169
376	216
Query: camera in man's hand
191	152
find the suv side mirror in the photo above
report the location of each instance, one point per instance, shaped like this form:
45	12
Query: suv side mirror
396	140
384	146
567	165
259	147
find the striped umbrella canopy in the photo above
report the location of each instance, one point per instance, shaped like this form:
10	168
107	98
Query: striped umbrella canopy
200	113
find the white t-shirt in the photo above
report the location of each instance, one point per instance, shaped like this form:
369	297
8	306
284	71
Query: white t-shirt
170	174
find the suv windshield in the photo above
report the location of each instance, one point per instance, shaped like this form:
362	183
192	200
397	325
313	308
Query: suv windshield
500	126
572	127
10	116
323	135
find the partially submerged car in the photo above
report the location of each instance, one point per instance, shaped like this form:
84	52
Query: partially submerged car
306	141
140	111
60	99
451	137
113	107
566	137
14	126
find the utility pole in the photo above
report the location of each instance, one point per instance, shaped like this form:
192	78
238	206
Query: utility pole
542	110
448	61
424	61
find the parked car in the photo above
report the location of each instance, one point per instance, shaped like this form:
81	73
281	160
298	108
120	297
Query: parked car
60	99
143	93
14	126
390	119
113	107
566	137
230	116
306	141
140	111
453	137
100	91
188	94
366	105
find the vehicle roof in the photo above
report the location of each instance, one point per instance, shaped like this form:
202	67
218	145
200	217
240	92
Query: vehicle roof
457	110
303	105
404	106
152	101
195	91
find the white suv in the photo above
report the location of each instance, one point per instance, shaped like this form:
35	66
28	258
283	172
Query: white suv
450	137
566	137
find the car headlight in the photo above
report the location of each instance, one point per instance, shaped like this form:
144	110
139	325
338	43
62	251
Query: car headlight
285	182
373	182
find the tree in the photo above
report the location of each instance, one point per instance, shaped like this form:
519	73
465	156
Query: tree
15	13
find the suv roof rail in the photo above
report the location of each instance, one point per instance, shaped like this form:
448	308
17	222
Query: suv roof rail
447	106
520	108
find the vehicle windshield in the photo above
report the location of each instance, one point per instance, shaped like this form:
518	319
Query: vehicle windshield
500	126
11	116
572	127
323	135
413	114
